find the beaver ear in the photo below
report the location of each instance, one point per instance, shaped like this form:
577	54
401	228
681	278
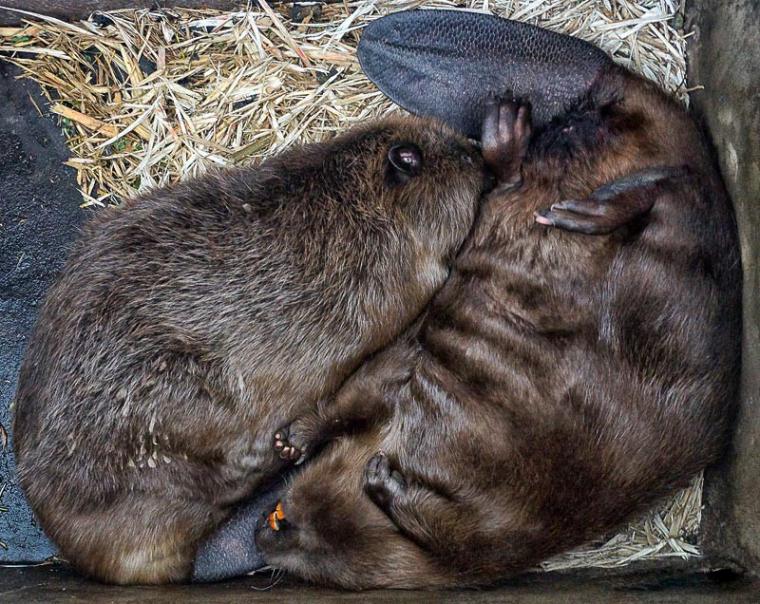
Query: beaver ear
447	64
406	158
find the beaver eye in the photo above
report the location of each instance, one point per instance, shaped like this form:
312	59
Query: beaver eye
406	158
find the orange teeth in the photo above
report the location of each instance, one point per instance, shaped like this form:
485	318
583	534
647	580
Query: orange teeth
276	517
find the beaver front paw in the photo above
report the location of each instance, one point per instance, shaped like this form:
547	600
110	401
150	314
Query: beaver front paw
381	482
288	445
296	440
614	205
505	137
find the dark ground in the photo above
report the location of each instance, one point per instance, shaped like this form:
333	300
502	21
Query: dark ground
39	216
54	584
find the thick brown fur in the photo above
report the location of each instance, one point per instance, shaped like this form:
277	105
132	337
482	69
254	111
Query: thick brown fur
192	321
559	382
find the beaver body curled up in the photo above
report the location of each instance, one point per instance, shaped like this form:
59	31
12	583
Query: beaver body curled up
580	361
192	321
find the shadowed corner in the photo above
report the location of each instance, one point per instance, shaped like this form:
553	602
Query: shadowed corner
468	58
231	550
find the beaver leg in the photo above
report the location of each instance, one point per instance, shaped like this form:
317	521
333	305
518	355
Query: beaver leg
611	206
366	398
351	410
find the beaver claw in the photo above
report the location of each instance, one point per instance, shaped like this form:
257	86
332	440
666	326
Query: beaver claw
288	449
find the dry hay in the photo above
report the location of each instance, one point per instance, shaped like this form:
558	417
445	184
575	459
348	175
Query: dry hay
148	97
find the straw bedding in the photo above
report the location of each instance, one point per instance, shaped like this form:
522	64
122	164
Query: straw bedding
148	97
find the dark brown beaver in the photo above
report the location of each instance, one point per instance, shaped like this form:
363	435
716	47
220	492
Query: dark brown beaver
580	361
192	321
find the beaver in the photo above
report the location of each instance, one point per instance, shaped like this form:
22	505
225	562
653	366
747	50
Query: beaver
580	361
193	320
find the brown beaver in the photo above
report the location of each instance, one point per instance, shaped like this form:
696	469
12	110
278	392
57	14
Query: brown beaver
580	361
192	321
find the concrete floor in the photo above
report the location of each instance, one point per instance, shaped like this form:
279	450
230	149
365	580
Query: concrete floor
57	584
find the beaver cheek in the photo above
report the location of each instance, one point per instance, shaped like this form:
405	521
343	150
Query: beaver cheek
272	542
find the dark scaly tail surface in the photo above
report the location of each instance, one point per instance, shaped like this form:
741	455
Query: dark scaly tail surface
230	551
448	63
